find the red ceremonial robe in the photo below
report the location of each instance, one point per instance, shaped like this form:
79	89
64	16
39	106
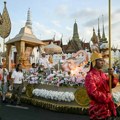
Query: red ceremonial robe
97	86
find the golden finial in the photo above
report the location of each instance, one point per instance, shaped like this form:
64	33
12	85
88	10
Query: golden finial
5	3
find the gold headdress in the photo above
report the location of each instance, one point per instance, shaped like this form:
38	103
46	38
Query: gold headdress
94	56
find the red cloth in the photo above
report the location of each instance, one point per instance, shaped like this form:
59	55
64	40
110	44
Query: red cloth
97	86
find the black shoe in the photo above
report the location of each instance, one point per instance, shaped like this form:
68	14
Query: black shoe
12	102
4	101
19	104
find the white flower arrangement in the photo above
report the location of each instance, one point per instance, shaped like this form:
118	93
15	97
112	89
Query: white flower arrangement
61	80
54	95
116	96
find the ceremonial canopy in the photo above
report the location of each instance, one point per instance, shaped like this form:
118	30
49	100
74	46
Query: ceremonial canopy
53	48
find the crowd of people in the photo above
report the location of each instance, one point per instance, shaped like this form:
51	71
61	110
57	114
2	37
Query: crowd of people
15	80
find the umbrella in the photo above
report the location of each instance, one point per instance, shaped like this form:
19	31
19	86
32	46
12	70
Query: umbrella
52	48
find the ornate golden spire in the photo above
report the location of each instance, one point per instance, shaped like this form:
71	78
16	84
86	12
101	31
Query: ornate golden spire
94	38
28	22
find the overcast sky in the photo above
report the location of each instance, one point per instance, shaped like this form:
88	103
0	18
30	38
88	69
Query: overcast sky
57	17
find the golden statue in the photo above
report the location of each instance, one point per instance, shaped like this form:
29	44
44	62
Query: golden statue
24	60
50	59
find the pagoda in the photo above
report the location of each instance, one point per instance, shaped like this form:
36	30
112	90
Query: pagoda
24	42
75	44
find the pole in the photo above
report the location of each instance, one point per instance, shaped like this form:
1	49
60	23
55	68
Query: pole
3	44
109	3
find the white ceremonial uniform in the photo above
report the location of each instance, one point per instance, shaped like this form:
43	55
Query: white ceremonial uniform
34	76
44	61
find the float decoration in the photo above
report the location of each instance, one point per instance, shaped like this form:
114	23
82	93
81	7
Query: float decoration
81	97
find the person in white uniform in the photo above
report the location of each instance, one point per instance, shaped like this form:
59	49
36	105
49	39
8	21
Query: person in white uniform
34	75
44	61
17	84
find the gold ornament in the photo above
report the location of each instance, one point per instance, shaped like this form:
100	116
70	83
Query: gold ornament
5	27
29	89
81	97
50	59
55	106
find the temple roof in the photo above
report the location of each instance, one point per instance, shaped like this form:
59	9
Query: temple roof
48	41
26	35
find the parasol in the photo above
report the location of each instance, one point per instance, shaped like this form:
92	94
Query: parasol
52	48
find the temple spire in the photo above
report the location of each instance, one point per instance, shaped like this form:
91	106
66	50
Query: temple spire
54	36
94	38
99	36
76	42
103	39
103	35
75	31
61	41
28	22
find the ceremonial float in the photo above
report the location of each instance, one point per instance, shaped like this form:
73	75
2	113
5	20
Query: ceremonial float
61	90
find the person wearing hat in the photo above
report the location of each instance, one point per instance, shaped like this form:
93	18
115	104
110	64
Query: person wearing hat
102	106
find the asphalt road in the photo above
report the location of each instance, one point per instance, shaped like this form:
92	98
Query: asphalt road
28	112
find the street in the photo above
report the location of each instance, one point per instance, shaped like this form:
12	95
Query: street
28	112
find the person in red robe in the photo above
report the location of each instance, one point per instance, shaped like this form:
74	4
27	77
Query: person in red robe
101	106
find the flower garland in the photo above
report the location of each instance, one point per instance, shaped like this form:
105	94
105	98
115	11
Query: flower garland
62	80
54	95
